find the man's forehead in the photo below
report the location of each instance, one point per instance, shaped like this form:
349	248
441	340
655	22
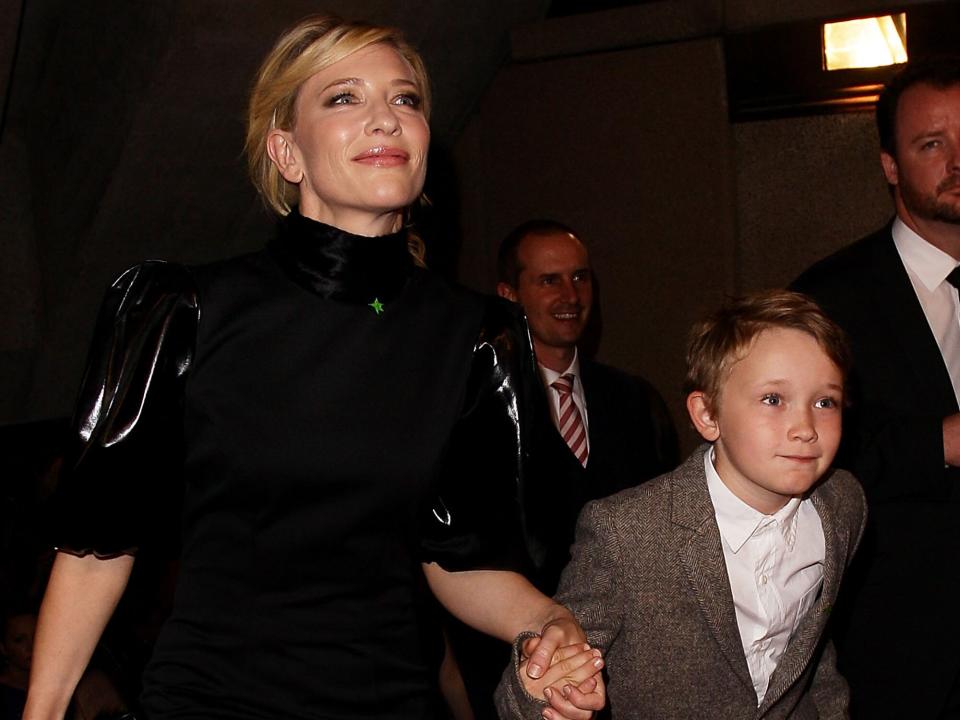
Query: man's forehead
925	99
554	247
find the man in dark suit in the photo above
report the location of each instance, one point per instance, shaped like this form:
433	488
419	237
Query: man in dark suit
894	293
618	430
613	429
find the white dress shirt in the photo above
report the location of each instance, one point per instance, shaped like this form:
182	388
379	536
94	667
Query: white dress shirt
775	566
549	376
928	267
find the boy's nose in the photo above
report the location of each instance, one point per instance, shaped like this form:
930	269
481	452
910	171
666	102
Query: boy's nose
803	427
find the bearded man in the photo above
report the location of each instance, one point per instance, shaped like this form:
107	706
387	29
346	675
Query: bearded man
895	293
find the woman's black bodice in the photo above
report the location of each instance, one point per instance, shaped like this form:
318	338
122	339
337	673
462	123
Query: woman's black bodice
327	416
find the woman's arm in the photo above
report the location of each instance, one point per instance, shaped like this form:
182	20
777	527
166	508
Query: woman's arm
80	598
504	604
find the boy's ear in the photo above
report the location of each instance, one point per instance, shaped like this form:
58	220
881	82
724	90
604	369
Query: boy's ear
702	416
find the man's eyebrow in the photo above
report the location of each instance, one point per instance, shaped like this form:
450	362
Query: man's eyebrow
923	135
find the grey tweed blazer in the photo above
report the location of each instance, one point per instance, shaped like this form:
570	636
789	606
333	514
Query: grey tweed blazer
648	582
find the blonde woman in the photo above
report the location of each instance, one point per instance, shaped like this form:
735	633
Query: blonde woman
344	424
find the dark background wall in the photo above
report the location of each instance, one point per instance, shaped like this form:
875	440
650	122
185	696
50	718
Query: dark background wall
123	128
617	123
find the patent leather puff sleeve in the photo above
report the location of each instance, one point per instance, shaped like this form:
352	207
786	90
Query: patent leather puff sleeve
121	480
477	521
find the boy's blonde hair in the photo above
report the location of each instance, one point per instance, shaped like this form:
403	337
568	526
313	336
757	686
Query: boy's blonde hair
718	342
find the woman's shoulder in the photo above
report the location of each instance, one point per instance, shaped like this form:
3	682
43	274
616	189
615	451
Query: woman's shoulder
231	269
493	315
149	289
157	274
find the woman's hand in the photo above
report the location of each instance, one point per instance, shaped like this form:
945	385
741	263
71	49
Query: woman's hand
505	604
572	684
559	629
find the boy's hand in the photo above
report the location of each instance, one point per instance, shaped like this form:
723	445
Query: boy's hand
572	684
577	703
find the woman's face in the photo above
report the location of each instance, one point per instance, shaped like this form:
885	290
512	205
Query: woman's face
358	148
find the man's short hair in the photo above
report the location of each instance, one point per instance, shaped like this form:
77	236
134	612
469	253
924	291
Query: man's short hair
716	344
940	71
508	263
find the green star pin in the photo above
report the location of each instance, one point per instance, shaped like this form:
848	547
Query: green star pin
376	305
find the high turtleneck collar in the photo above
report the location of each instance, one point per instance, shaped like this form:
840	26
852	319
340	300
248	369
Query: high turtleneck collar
338	265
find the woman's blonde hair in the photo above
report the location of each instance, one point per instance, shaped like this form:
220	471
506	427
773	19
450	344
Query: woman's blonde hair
313	44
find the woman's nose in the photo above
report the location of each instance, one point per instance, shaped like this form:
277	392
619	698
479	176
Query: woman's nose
383	119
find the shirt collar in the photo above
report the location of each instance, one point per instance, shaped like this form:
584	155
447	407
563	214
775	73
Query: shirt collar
550	376
737	521
930	264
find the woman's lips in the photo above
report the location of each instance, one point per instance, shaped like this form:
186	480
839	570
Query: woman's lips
383	157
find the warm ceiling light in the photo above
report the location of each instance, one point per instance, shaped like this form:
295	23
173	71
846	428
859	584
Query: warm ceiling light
865	43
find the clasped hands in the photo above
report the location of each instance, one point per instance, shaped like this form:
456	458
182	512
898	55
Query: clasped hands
571	683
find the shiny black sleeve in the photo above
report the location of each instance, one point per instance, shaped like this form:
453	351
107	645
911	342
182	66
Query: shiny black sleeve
478	520
122	470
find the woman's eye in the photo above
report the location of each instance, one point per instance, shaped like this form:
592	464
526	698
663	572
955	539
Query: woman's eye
408	99
344	98
770	399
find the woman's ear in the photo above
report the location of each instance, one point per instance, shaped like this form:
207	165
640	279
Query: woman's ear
702	415
282	151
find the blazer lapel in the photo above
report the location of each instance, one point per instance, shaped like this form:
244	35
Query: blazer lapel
702	557
805	640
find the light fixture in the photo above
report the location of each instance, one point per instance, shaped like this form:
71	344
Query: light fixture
789	69
865	42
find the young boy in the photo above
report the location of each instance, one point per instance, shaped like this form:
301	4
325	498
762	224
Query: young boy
709	589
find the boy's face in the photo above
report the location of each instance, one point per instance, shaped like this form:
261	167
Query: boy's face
776	423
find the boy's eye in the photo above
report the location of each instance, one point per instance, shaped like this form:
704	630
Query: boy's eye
826	403
771	399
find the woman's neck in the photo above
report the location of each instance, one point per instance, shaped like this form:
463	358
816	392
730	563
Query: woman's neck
355	222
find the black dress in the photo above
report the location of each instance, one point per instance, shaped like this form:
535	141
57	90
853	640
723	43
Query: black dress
338	416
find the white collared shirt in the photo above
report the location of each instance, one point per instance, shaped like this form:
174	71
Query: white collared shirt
549	376
775	566
928	267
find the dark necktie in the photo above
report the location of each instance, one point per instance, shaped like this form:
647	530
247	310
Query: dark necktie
950	342
954	277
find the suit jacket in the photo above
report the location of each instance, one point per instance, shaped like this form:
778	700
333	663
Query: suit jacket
648	582
898	627
632	439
